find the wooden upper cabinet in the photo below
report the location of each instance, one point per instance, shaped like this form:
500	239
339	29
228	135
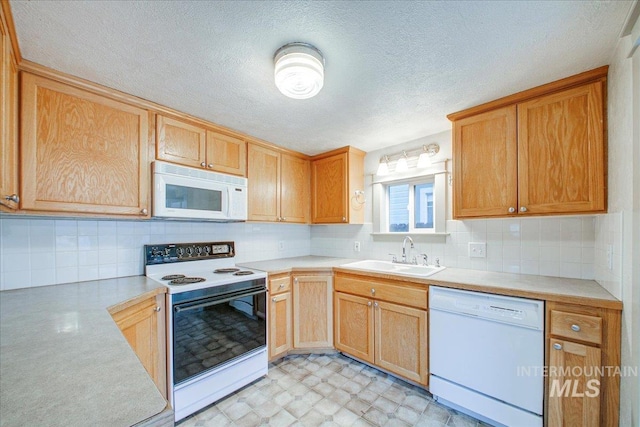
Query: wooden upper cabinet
82	152
9	197
180	142
537	152
263	174
485	156
226	153
191	145
335	177
561	152
278	185
294	189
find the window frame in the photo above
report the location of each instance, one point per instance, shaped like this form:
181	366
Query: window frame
412	183
440	176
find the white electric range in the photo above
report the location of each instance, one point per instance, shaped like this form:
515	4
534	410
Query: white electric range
216	322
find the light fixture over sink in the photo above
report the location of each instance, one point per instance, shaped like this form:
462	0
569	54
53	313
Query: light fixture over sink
299	70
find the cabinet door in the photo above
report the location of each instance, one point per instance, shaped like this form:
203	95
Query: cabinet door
353	319
143	325
226	154
294	189
81	152
313	312
561	152
280	336
8	122
263	173
401	340
329	203
180	142
574	389
485	164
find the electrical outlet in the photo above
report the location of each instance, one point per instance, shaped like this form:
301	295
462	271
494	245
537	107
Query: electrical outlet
281	245
356	246
477	250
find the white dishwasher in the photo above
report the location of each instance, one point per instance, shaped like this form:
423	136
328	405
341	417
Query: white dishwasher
486	354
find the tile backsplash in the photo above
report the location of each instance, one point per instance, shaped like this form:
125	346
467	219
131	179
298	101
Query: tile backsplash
38	252
45	251
557	246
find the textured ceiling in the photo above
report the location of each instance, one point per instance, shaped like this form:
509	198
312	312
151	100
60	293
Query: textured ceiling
394	69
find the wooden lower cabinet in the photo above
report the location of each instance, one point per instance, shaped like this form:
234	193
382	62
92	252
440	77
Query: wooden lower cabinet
313	311
280	317
583	350
143	325
389	335
574	390
354	325
401	340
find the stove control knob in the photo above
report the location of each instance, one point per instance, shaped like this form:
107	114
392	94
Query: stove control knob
198	251
189	251
180	252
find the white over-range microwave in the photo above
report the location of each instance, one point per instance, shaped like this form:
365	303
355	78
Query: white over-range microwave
187	193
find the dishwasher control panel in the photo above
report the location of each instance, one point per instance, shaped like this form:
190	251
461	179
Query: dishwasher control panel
518	311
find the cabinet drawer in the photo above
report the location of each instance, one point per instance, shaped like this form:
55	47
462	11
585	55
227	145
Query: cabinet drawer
279	285
576	326
404	295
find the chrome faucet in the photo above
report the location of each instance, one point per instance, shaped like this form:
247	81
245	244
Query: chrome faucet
404	244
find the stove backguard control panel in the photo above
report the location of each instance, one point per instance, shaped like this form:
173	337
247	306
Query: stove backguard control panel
178	252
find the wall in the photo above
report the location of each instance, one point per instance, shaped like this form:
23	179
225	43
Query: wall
45	251
621	226
551	246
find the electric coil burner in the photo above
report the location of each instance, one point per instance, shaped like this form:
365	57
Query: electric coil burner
216	321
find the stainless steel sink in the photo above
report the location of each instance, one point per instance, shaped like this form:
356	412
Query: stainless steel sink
410	270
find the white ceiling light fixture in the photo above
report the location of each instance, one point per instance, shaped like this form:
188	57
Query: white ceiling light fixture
299	70
383	167
401	165
424	160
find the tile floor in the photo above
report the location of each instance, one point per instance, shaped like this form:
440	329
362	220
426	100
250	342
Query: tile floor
328	390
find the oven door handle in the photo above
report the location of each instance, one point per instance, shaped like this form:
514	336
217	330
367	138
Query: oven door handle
187	307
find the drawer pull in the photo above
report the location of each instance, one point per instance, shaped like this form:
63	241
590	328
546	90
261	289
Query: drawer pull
373	291
557	346
575	328
369	304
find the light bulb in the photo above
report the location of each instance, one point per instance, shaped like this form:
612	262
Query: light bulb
401	165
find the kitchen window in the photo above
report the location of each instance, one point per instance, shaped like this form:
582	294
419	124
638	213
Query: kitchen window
414	204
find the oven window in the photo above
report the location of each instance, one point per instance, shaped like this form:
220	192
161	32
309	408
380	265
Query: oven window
207	336
179	197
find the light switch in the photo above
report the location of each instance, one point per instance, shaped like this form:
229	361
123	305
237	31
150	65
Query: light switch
477	250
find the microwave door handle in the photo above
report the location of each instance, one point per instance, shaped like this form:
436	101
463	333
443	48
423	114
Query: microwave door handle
228	202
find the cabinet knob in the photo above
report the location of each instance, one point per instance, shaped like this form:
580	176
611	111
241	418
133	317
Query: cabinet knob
575	328
373	291
369	304
295	280
512	209
210	165
284	218
203	164
274	299
344	219
158	308
523	209
13	198
281	285
375	304
144	211
557	346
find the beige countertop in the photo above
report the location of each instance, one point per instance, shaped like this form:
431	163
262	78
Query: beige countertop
577	291
64	362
